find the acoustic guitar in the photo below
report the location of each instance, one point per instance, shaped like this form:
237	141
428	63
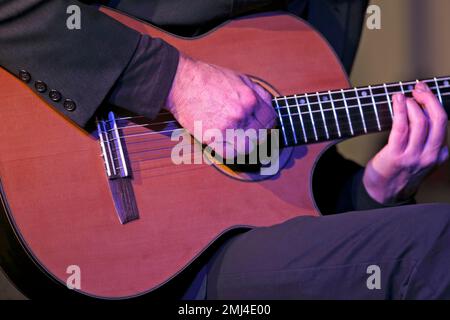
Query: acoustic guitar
111	204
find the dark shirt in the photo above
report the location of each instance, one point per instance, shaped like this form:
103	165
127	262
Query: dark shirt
145	84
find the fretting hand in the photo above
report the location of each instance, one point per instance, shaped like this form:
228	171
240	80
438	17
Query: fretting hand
416	146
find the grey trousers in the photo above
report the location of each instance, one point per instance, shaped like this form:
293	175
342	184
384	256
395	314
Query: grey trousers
393	253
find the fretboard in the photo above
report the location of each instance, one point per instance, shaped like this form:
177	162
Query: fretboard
336	114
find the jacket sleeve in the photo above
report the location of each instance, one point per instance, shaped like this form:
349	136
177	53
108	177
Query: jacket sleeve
74	69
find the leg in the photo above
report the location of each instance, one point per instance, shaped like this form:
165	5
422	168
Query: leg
327	257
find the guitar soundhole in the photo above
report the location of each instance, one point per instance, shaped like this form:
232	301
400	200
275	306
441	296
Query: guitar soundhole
251	170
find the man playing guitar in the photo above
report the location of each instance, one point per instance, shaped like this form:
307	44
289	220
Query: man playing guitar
306	257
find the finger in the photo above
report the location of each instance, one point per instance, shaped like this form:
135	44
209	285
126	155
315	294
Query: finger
265	114
243	141
418	128
263	93
437	118
398	138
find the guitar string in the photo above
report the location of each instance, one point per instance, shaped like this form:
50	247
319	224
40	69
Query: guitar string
385	102
371	104
356	123
321	138
409	88
198	152
189	168
193	154
349	90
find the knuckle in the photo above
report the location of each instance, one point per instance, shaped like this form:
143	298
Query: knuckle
429	160
239	114
397	160
441	120
249	98
401	128
408	161
420	120
421	125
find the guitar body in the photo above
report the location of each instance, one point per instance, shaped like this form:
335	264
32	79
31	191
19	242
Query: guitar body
55	190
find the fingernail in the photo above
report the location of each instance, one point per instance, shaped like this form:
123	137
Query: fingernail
421	86
400	98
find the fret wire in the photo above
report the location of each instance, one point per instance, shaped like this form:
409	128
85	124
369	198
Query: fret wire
401	87
358	121
348	113
379	86
375	108
323	116
400	84
301	118
158	133
360	110
388	100
145	150
382	118
282	124
334	112
428	81
311	115
155	133
290	119
438	90
337	108
350	98
293	114
322	137
346	90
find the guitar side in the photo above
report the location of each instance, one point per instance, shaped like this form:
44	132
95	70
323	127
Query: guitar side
56	193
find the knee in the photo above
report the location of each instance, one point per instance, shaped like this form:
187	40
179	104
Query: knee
437	214
429	223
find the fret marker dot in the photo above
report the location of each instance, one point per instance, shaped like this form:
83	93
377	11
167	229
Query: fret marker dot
410	87
325	99
302	101
446	83
364	93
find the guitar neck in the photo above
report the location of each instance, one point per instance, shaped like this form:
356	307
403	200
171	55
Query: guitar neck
337	114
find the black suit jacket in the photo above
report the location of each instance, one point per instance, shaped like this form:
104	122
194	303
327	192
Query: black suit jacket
83	65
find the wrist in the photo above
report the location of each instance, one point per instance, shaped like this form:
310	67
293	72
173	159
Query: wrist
384	191
376	187
177	84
